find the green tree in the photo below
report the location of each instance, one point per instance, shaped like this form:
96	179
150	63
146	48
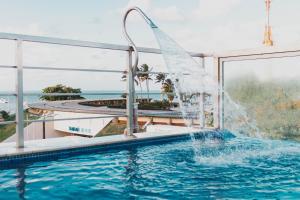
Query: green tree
60	89
168	89
167	86
136	76
5	115
145	76
160	78
124	95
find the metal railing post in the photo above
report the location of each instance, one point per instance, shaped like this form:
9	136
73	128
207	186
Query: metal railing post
222	90
131	118
44	126
217	96
202	110
202	101
19	92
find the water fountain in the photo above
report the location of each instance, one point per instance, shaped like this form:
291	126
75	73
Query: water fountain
192	83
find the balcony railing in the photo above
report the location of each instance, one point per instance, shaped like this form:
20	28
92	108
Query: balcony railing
19	68
219	60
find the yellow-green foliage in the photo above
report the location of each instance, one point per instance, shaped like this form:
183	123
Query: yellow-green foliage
60	89
7	131
113	128
269	104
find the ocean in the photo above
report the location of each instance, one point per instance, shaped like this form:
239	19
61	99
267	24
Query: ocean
34	97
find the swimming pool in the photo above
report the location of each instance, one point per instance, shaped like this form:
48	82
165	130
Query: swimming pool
237	168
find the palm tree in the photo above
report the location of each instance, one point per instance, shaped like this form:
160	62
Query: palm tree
136	79
160	78
139	77
168	89
167	86
145	76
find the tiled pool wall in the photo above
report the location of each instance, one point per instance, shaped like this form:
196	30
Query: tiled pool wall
16	160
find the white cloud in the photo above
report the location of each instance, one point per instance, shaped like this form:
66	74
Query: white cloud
220	37
213	8
170	13
143	4
30	29
47	55
236	31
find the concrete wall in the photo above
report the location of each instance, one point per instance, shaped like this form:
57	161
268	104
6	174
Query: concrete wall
34	131
87	127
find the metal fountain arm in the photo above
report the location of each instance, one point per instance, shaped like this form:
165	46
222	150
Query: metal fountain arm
131	43
132	124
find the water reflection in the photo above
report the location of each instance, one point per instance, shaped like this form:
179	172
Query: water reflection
132	170
21	183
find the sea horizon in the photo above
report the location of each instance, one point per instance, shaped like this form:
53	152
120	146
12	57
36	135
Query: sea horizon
33	96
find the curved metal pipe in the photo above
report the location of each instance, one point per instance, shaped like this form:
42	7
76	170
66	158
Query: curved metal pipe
131	43
131	104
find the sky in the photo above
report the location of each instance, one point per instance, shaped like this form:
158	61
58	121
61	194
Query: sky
197	25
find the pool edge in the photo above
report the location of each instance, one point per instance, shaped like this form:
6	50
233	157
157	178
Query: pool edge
92	145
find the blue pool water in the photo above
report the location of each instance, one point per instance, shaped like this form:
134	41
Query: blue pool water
237	168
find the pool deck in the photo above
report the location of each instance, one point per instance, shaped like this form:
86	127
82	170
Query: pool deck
75	106
71	142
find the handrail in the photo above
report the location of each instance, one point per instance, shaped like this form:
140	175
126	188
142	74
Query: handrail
89	44
83	93
81	43
73	69
8	66
83	69
71	94
7	122
76	94
8	94
259	53
72	119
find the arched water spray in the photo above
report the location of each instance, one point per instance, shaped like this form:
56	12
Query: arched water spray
192	84
190	80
